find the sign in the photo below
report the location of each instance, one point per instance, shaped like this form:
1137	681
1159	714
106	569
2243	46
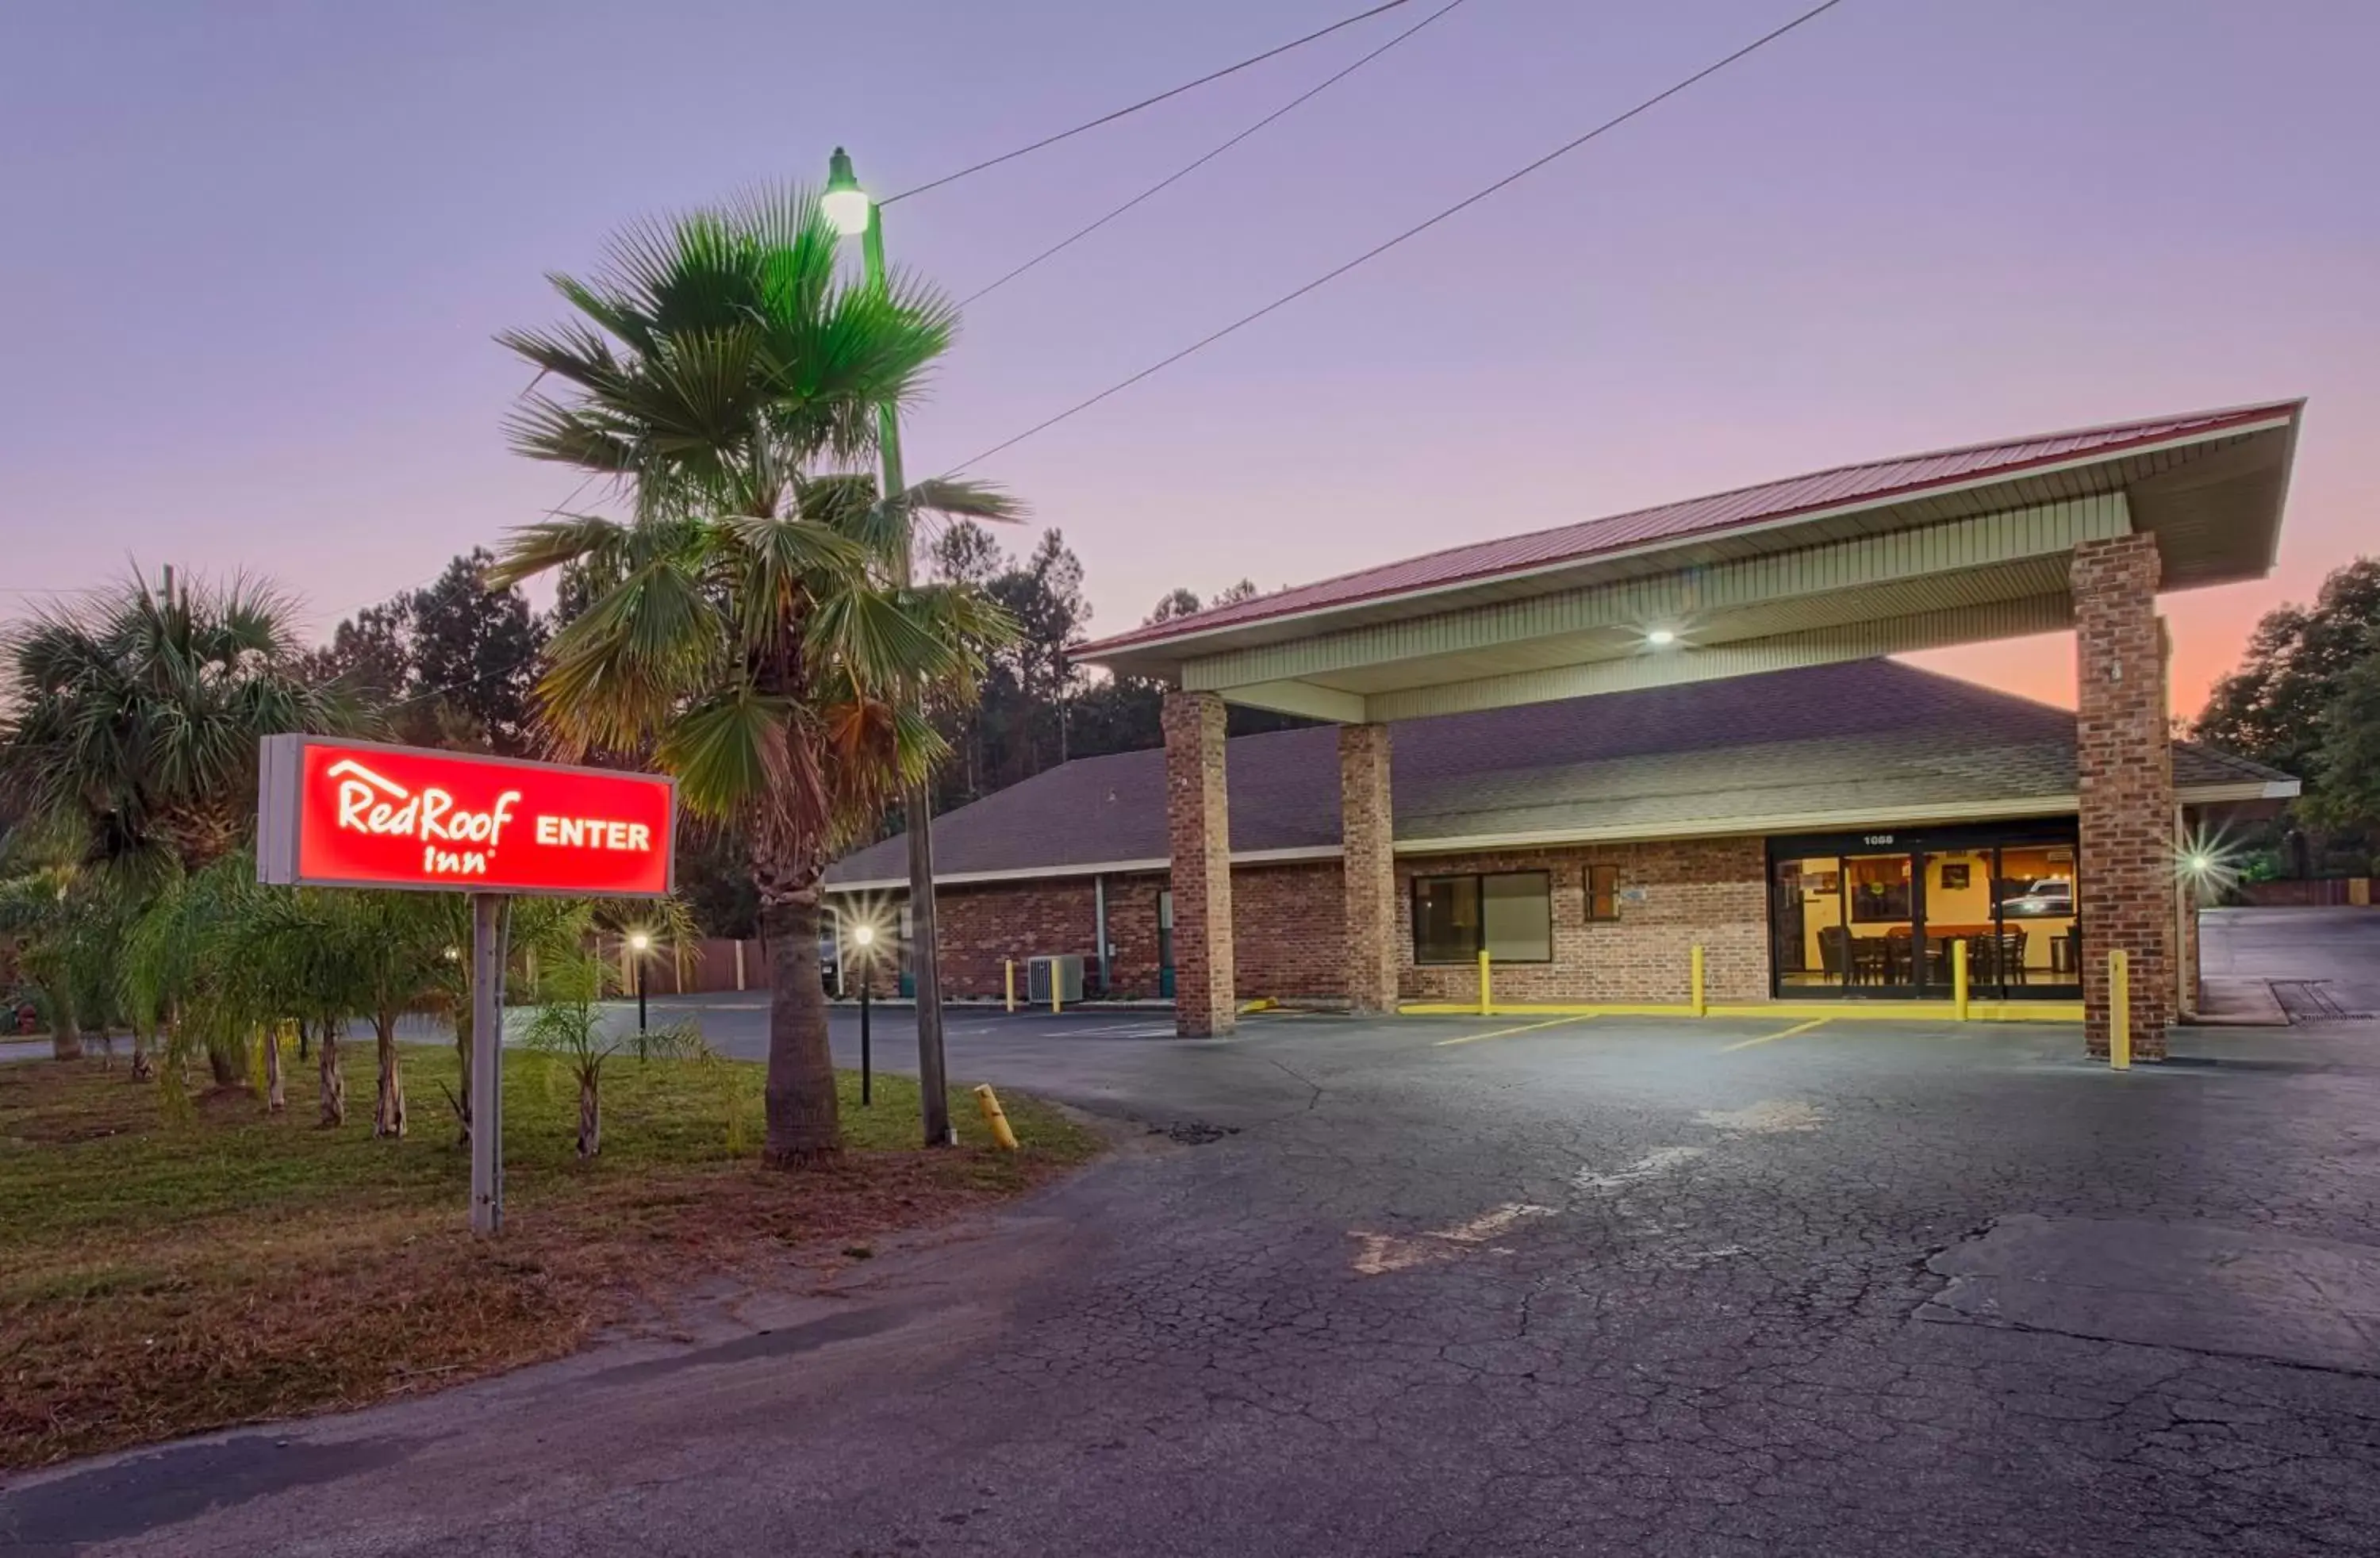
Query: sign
337	813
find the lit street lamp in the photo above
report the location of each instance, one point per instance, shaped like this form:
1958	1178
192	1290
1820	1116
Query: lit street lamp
640	943
854	214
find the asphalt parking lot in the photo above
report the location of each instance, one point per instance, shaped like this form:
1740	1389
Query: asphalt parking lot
1455	1286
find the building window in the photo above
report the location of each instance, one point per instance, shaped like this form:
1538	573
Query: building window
1603	892
1509	915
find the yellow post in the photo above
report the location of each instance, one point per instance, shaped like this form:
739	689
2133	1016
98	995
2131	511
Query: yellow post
2119	1010
1483	981
1010	965
994	1119
1959	977
1054	988
1699	1000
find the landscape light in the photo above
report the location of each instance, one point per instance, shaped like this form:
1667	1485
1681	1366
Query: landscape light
863	933
846	203
639	941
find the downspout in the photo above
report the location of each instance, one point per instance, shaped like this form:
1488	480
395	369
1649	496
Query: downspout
1100	928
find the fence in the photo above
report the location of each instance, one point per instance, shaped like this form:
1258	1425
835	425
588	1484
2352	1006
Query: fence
709	967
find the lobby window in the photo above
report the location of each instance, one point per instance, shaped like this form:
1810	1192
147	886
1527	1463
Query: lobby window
1603	892
1507	914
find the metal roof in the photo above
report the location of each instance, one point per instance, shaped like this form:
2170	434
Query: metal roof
1849	744
1874	484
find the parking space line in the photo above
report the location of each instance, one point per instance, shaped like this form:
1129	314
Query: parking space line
1508	1032
1781	1033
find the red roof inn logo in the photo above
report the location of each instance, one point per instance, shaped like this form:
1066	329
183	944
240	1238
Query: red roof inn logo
352	814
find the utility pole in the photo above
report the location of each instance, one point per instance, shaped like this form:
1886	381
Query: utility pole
844	198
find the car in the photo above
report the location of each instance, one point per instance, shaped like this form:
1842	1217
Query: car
2049	899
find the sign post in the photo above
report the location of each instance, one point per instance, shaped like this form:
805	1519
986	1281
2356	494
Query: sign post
333	813
488	918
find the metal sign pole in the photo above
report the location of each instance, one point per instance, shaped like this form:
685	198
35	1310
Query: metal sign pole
487	1063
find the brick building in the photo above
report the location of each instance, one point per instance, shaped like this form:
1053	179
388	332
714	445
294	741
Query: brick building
1586	750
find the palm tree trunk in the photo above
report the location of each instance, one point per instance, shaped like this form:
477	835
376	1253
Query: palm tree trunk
591	1113
275	1099
226	1065
461	1096
334	1081
66	1030
804	1125
388	1108
144	1068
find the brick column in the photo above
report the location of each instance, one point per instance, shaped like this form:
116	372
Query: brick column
2124	887
1198	830
1369	867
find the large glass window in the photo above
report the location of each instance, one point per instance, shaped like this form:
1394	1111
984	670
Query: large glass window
1508	914
1892	913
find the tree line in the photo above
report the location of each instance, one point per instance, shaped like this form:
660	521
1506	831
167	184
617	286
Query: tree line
2305	698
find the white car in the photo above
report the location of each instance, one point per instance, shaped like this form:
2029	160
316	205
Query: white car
2050	898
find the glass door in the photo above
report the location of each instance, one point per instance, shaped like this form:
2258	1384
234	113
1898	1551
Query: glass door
1881	910
1960	909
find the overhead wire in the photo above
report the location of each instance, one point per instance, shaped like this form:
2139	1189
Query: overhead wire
1412	232
1182	173
1048	140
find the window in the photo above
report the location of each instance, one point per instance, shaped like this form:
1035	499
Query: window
1603	892
1509	915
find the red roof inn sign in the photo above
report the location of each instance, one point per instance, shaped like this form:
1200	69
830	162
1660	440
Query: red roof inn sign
356	814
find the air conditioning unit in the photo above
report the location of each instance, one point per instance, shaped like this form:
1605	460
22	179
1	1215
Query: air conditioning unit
1062	974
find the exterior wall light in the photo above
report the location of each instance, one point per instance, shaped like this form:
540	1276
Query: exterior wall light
1661	638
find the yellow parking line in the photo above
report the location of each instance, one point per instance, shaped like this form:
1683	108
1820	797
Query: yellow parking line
1781	1033
1508	1032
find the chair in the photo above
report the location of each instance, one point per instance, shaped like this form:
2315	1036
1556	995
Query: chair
1871	960
1983	960
1899	957
2011	956
1834	956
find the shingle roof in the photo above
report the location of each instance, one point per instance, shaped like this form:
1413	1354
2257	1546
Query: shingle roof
1873	738
1874	482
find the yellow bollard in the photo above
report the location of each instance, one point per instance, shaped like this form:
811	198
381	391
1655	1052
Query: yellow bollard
994	1119
1483	981
2119	1010
1010	965
1054	988
1699	999
1959	979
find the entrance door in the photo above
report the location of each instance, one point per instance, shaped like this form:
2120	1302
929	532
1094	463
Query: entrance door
1881	912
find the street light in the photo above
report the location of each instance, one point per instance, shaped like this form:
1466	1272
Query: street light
854	215
640	943
863	936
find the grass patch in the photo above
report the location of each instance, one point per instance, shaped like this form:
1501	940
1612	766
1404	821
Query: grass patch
165	1271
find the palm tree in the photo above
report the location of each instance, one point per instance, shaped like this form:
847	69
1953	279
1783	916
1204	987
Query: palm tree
751	628
134	717
570	1024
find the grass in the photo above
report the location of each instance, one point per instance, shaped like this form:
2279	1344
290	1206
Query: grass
165	1270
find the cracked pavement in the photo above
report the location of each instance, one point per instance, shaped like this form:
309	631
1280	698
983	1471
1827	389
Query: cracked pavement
1677	1298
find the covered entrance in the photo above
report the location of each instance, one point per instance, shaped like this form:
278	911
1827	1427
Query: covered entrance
2077	529
1882	915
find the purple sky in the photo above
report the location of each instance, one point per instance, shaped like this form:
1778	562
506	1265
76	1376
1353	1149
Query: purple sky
254	253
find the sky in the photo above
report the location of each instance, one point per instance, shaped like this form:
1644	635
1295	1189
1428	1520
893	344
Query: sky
255	253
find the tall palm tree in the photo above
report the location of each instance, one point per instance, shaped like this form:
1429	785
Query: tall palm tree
751	628
133	721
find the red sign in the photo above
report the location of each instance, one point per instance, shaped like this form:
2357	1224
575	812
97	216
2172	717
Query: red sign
354	814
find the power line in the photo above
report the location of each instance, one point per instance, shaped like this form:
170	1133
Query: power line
1144	103
1415	231
1314	91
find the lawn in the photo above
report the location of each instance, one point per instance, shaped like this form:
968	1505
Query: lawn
166	1268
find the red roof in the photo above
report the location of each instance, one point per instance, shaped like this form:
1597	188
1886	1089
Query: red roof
1876	481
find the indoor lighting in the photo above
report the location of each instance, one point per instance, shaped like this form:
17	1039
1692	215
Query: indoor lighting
1661	638
846	203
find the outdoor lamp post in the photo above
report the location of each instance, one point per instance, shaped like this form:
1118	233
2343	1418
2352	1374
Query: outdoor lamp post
854	215
863	936
640	943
